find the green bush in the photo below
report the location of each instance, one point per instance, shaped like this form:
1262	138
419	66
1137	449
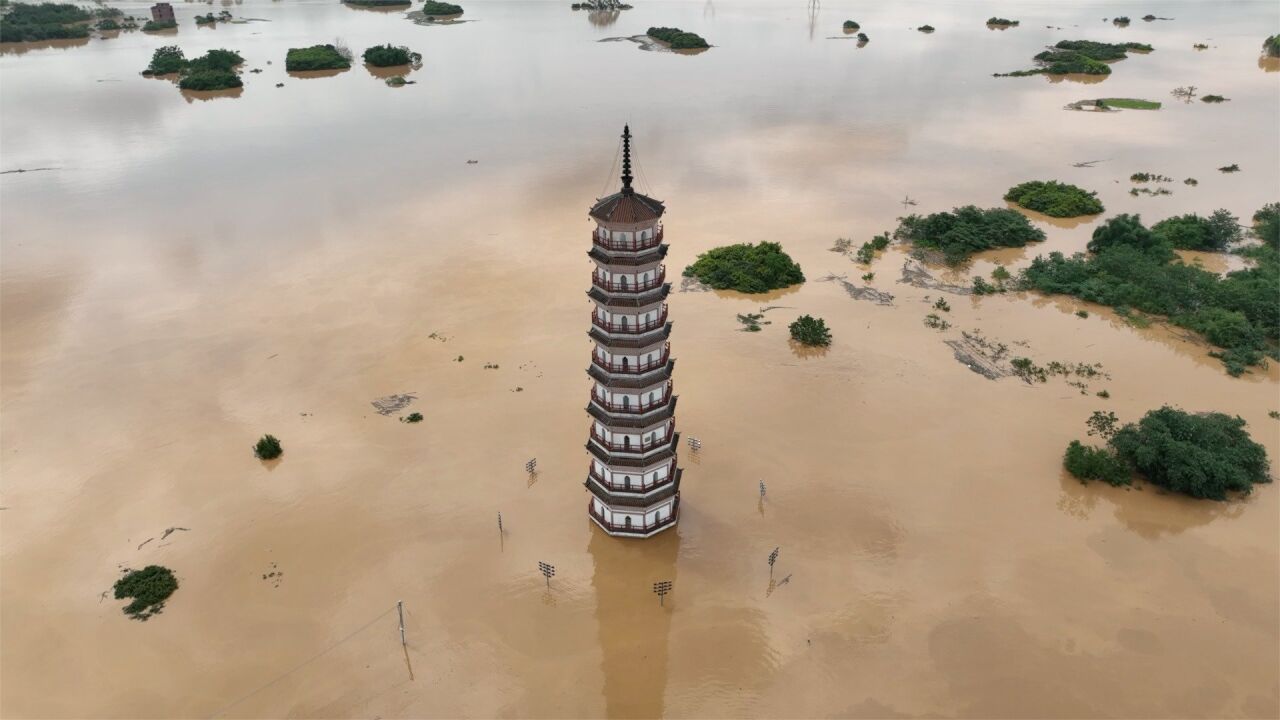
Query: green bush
1054	199
316	57
268	448
1204	455
1101	51
967	230
413	417
390	56
746	268
149	588
1266	224
851	25
154	26
925	28
1271	46
210	80
432	7
677	38
1001	22
1128	231
220	60
1091	463
166	60
808	330
1192	232
1213	99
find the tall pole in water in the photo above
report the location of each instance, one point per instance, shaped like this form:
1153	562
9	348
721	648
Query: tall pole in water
400	608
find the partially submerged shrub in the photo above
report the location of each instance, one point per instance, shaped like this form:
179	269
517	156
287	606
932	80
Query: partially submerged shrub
746	268
434	7
851	25
149	588
268	448
413	417
808	330
966	230
1055	199
1192	232
316	57
677	38
390	56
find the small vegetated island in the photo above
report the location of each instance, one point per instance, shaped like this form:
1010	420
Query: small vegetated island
1271	46
215	70
851	26
1055	199
28	22
677	39
211	19
316	57
149	587
746	268
811	331
967	230
1203	455
1079	56
377	3
926	28
999	22
1131	267
433	8
391	56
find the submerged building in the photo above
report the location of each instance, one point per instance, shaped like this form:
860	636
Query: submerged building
633	477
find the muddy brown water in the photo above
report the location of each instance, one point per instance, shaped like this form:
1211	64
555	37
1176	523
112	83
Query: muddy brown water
190	276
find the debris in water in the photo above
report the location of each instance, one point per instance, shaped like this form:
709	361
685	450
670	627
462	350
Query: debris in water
171	530
981	355
914	273
871	294
393	403
692	284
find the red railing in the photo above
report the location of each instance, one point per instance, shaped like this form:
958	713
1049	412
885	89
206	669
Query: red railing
630	328
627	526
637	409
652	241
634	487
624	285
626	366
625	445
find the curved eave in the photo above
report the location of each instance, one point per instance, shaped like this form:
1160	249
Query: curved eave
623	420
630	299
618	380
647	500
665	452
637	340
608	257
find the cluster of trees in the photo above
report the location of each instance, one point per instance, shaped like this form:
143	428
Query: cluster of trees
809	330
215	70
1054	199
1130	266
926	28
1271	46
1079	56
153	25
316	57
44	21
1204	455
377	3
1192	232
868	251
677	38
149	588
746	268
390	56
1001	22
967	230
434	7
851	26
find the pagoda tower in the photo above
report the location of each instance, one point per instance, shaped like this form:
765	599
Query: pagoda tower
633	477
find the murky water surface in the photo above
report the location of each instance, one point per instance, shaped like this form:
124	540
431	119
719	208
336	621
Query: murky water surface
194	272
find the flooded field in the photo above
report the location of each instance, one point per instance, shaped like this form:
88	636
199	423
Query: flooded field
180	275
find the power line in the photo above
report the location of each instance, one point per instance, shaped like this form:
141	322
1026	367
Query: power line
306	662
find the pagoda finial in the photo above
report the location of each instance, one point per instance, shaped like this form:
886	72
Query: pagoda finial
626	160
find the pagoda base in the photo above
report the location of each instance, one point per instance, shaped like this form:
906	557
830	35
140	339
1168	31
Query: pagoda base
635	531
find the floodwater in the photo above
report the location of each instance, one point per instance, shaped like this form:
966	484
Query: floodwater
192	274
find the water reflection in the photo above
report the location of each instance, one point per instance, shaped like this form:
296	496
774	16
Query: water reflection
20	48
634	629
206	95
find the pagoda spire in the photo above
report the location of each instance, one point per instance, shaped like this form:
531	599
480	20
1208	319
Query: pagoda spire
626	160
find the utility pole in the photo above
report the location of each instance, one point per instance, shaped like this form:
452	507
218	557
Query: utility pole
400	608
